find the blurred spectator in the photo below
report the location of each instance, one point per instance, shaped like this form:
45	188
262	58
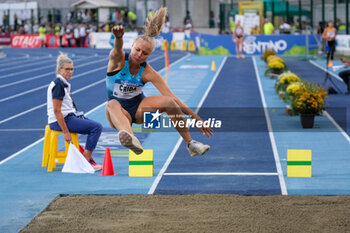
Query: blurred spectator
303	25
15	19
268	27
116	17
150	13
330	34
57	29
36	28
22	17
62	32
27	27
187	30
86	16
79	16
232	24
320	27
5	20
341	26
82	34
285	27
125	20
212	19
69	17
132	19
58	17
69	32
255	30
42	35
49	17
166	25
188	18
21	30
76	35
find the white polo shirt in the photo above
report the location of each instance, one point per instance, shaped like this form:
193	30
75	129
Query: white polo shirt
59	89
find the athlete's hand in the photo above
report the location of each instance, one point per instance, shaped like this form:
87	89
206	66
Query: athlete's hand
118	31
204	130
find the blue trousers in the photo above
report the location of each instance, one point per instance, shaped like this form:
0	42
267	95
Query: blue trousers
82	126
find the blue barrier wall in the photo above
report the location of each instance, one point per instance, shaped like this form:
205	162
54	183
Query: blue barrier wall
253	44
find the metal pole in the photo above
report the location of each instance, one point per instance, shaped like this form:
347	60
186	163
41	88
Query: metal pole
323	20
273	13
209	3
307	41
299	14
335	13
186	5
287	11
231	5
222	16
164	2
347	16
312	13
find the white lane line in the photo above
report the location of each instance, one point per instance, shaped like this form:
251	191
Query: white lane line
42	139
272	138
54	65
17	66
165	166
19	152
222	174
325	70
22	113
81	89
20	130
42	105
48	73
172	154
341	130
9	62
46	85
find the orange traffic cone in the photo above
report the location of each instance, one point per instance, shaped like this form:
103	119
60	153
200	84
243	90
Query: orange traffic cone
107	169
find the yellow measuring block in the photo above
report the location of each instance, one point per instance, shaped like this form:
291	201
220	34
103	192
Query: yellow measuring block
165	44
191	46
141	165
299	163
173	45
184	46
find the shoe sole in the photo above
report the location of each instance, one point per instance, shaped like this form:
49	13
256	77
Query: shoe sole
129	141
202	152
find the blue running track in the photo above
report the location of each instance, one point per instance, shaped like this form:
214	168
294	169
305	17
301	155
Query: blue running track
247	155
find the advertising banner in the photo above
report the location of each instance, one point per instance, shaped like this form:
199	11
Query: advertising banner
5	39
256	44
343	43
52	41
105	40
25	41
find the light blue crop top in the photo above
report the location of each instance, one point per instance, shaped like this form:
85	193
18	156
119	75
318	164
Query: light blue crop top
121	85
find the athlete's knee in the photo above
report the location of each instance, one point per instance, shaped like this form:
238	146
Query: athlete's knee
112	105
168	102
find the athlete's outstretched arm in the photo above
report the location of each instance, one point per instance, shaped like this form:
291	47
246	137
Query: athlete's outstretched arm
150	75
116	56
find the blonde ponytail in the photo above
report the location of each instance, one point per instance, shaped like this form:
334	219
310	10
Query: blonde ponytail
61	60
153	26
154	23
